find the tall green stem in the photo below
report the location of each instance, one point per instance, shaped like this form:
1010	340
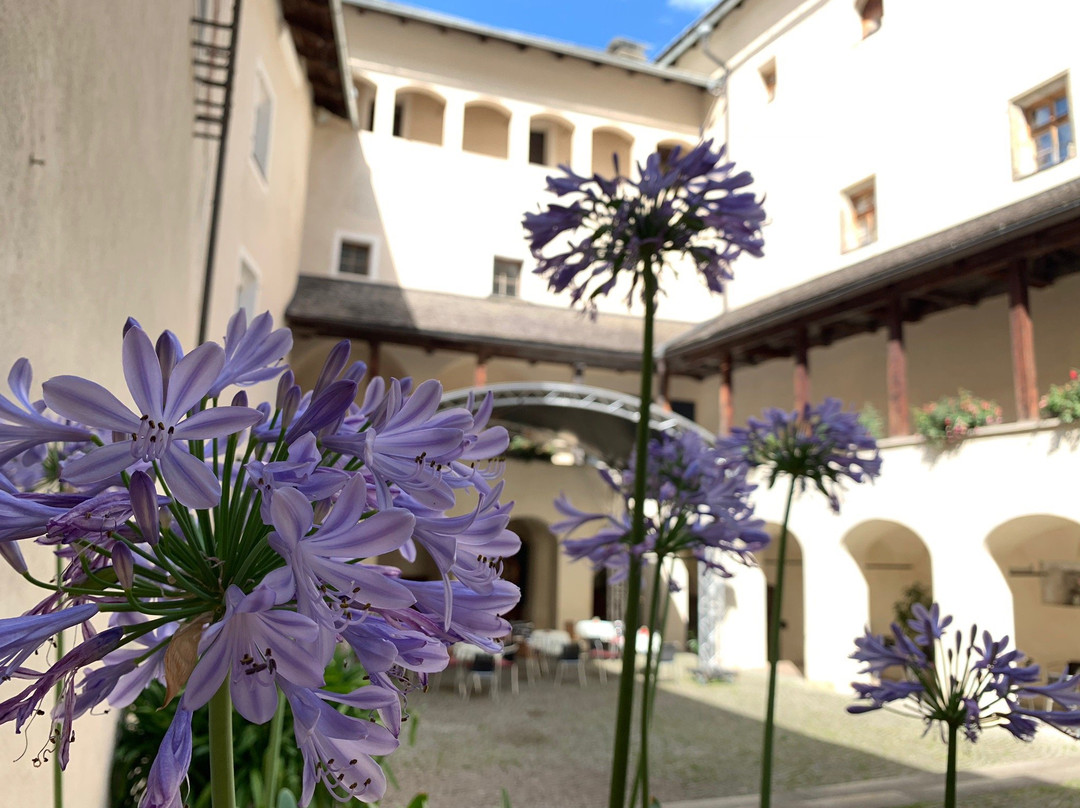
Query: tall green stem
774	653
58	773
222	786
950	770
272	761
621	756
648	688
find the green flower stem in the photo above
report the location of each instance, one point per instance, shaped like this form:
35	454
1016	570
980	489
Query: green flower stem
222	785
648	685
272	761
58	773
621	756
774	653
950	770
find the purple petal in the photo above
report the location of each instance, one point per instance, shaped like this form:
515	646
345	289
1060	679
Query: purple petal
191	379
291	513
88	403
98	464
189	479
254	698
216	422
142	371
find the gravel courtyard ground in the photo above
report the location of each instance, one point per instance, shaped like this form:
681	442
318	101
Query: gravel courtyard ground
550	745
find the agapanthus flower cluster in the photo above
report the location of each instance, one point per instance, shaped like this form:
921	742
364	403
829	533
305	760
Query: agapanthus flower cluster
959	685
205	543
701	502
821	444
688	204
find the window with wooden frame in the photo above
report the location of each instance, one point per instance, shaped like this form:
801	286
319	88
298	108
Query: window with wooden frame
505	278
858	224
355	259
1042	129
871	12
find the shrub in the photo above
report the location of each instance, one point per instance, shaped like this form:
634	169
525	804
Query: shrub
948	420
872	421
1063	400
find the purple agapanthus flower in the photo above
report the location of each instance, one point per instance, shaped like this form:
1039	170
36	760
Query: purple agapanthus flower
23	426
252	351
257	594
320	569
701	501
821	444
252	647
958	685
159	434
20	637
337	748
688	204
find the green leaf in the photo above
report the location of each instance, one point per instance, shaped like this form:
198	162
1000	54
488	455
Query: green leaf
419	801
505	799
286	799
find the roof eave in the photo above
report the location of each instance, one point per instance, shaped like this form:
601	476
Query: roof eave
522	40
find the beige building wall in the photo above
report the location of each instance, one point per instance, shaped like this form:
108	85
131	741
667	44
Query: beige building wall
101	217
436	216
263	207
104	215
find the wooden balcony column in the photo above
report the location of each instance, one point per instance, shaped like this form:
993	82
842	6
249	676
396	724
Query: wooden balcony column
727	403
480	371
1022	333
896	382
373	359
802	370
664	383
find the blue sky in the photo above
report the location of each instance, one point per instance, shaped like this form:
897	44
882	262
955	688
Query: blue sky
582	22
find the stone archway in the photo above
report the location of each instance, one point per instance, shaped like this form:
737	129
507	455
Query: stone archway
793	613
535	569
895	563
1039	559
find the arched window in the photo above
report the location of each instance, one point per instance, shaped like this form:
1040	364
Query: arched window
418	115
487	129
666	148
549	140
609	145
365	103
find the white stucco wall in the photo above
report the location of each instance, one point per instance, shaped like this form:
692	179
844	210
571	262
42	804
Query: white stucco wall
952	502
923	105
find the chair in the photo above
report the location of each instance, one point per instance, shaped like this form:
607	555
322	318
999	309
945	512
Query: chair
667	659
508	661
484	667
599	654
570	657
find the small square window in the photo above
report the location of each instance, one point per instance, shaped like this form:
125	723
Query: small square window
355	258
505	278
1042	129
264	117
871	12
859	216
768	78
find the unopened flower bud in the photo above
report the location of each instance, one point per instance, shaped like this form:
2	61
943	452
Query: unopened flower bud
145	505
123	565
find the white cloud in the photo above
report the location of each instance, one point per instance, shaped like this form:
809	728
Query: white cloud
691	5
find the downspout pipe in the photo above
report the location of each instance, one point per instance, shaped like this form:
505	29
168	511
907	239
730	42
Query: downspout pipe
219	177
